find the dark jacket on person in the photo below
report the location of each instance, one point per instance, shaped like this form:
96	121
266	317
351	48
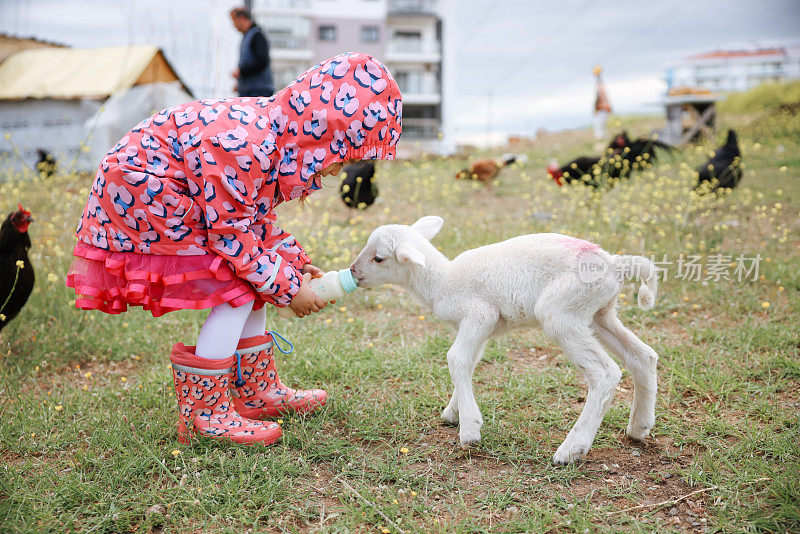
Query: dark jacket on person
255	77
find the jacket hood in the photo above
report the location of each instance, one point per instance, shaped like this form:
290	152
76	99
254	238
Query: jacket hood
348	107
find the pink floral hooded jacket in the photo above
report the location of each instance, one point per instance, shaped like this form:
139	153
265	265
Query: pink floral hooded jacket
204	177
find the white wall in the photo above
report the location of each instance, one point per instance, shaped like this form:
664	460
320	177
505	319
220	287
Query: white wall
736	74
363	9
56	126
448	76
225	40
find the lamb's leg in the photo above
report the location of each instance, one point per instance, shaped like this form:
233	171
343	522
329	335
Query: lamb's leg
601	374
450	413
641	360
471	336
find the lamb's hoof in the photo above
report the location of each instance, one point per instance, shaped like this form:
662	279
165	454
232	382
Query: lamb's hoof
469	439
450	416
638	431
569	454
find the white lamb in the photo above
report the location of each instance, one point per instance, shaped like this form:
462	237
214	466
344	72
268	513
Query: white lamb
566	285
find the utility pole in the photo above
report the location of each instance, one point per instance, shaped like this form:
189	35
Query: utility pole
489	126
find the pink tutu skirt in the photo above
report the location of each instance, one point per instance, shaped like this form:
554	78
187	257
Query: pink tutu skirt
112	281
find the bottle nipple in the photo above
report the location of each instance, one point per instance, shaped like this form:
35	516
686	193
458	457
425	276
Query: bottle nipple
347	281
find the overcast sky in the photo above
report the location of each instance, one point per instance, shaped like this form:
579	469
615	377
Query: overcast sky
520	64
537	56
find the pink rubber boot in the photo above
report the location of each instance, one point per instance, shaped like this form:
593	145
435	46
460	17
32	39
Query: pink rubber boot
257	392
204	403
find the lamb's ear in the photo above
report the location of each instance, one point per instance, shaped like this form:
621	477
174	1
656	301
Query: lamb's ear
428	226
406	253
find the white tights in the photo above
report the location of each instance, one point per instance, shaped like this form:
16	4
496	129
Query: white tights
225	326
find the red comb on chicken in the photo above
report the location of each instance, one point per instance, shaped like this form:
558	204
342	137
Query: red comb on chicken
555	172
21	219
16	271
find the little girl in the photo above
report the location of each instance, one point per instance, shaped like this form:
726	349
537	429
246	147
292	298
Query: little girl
181	216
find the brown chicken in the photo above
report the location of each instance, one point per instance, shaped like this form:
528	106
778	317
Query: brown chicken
484	170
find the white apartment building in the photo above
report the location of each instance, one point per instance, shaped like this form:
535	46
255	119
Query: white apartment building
735	70
407	35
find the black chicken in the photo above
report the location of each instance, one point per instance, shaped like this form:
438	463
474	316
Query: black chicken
633	155
357	189
724	168
47	163
16	282
584	169
622	156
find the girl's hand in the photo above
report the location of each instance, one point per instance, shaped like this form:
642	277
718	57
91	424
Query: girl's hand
305	301
315	272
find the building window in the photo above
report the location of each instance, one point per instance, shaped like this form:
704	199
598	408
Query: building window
407	41
409	81
287	32
327	33
369	34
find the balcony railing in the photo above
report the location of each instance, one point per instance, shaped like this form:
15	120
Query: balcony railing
421	128
284	4
406	45
409	46
288	42
412	7
417	83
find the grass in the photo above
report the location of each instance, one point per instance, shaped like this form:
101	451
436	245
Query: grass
88	441
763	97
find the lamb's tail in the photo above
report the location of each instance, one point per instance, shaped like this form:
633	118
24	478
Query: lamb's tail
645	270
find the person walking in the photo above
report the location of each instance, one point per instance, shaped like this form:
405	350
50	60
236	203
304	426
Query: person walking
253	75
602	106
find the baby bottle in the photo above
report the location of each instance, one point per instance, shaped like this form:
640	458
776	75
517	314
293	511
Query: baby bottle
332	285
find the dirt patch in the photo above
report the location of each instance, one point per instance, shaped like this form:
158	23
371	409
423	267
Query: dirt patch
642	477
650	472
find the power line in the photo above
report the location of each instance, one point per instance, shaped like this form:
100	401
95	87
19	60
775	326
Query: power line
482	20
613	51
573	18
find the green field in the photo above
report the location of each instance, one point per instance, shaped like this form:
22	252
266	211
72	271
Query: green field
88	438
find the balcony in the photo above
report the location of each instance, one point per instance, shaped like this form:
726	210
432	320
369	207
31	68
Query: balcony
421	128
412	46
288	42
284	4
416	51
426	99
412	8
288	47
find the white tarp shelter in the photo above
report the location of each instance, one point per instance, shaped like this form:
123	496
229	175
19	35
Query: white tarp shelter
76	103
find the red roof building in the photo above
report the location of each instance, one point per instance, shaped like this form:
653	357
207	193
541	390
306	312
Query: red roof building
735	70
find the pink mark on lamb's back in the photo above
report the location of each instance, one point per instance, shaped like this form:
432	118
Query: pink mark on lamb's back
578	244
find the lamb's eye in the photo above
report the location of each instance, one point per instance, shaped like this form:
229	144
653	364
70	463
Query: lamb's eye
377	259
